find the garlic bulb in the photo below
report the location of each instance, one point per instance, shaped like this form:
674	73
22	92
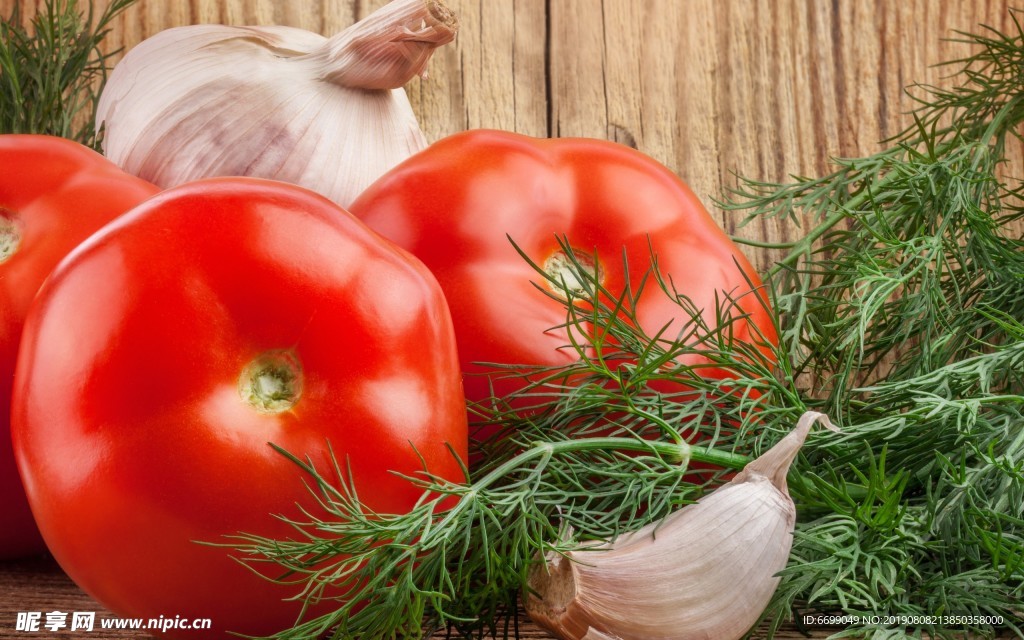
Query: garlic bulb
274	102
705	572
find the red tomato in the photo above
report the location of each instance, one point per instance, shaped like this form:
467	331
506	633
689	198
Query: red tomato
166	353
54	193
455	204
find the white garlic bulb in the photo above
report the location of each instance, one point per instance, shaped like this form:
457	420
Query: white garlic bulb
705	572
274	102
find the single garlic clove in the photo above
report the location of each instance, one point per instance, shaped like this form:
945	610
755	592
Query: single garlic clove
705	572
274	102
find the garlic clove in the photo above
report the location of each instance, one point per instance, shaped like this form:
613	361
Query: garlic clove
274	102
705	572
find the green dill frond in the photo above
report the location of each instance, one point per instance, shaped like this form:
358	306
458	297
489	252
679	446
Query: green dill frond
52	70
902	312
585	452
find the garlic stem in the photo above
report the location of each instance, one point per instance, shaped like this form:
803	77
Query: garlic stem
389	47
774	464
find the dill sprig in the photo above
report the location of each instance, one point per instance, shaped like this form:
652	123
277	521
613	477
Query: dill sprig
906	242
928	517
52	71
902	310
584	451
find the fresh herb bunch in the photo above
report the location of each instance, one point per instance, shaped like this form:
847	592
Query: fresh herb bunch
912	261
51	73
903	306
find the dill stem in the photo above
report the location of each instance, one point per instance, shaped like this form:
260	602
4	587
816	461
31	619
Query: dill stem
803	246
760	244
681	451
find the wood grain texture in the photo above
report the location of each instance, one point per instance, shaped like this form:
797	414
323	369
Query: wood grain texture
711	88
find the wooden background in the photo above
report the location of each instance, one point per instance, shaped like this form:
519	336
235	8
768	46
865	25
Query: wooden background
711	88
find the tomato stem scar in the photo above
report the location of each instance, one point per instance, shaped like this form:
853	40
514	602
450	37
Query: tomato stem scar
567	272
271	382
10	234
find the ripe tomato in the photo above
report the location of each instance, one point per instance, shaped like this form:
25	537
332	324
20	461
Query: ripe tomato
54	193
166	353
455	205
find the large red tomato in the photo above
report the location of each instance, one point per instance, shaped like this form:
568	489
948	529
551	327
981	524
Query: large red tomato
455	205
54	193
164	356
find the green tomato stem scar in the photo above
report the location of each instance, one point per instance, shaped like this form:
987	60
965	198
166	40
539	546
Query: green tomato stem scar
10	235
575	274
272	382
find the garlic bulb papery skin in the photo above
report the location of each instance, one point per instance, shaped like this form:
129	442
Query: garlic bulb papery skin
705	572
274	102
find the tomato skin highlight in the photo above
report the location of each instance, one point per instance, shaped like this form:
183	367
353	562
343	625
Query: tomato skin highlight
131	429
54	193
455	204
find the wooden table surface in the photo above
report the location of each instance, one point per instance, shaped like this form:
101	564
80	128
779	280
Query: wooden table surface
764	88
